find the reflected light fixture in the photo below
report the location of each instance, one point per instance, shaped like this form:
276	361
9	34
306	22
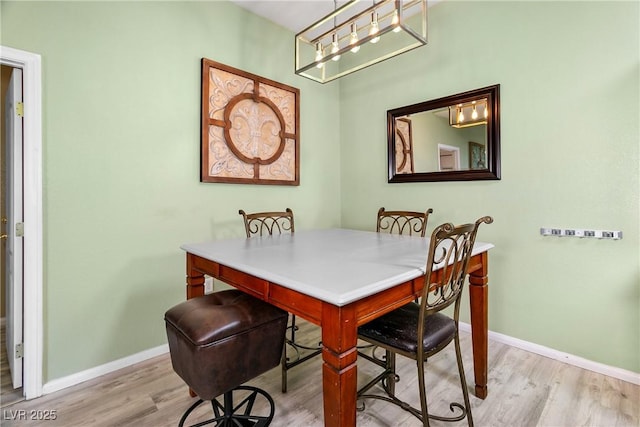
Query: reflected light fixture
459	114
474	113
357	35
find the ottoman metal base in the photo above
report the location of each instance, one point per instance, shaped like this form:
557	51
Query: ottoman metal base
250	411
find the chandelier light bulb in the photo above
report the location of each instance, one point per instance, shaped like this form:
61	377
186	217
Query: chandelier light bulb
319	55
335	47
395	21
375	28
486	111
460	115
353	41
474	113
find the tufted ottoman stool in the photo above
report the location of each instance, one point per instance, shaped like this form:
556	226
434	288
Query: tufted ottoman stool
218	342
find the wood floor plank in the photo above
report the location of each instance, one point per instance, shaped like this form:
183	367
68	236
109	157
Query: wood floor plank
8	394
524	390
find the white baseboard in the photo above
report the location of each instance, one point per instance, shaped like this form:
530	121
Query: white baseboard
89	374
611	371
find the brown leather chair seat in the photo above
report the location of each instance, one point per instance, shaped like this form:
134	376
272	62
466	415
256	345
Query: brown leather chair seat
221	340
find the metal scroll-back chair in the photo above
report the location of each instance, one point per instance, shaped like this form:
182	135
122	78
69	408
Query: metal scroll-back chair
403	222
268	223
397	222
419	331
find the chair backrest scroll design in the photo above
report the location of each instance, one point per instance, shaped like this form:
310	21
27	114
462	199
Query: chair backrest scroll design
403	222
261	223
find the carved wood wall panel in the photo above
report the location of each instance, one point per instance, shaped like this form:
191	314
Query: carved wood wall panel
250	128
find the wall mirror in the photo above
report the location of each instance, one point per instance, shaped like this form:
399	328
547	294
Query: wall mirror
455	138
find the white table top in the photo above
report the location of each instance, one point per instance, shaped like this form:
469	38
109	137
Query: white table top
338	266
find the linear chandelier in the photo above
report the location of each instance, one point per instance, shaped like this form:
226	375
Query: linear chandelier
354	36
467	114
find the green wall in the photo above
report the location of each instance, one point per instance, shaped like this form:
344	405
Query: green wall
121	106
569	76
121	87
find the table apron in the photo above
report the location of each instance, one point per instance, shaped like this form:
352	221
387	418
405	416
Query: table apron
305	306
308	307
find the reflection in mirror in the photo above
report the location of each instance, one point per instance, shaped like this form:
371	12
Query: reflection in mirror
441	142
404	146
452	138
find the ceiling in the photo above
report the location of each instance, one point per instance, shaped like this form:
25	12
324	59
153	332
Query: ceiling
295	15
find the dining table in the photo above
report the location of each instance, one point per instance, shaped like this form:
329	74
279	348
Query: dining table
337	279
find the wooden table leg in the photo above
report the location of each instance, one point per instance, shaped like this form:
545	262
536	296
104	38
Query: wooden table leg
479	299
339	370
195	279
195	288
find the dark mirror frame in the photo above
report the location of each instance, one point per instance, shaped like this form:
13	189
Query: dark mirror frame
492	93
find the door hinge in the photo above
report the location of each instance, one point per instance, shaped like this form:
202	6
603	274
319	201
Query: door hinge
19	229
19	351
20	109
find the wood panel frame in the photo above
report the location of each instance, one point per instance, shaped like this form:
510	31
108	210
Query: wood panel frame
250	128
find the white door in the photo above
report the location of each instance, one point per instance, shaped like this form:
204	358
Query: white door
13	300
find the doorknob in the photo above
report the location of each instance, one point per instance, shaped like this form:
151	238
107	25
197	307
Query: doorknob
4	220
3	236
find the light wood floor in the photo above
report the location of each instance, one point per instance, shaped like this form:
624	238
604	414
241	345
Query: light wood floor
8	395
524	390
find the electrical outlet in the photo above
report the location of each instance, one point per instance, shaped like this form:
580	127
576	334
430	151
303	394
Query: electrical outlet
579	232
606	234
208	284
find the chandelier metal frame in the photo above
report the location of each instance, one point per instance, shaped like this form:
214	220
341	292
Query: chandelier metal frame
328	49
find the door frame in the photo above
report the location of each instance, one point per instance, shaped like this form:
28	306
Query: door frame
449	148
31	65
